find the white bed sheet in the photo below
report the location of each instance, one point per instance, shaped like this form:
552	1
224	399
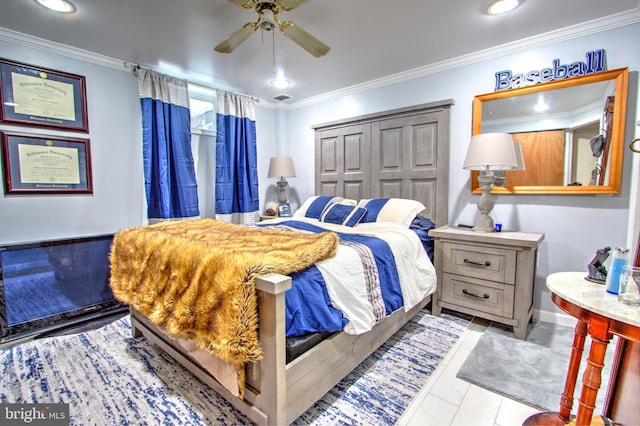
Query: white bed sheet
343	273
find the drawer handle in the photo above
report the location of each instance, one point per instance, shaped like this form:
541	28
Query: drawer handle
473	262
466	292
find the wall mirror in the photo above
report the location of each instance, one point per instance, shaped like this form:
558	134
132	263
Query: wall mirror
571	133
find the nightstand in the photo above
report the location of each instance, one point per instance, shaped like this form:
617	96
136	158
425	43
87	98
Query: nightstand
486	274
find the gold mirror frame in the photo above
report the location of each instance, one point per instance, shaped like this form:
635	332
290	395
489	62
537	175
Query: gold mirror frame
616	147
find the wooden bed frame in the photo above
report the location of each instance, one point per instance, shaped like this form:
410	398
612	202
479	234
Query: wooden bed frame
277	392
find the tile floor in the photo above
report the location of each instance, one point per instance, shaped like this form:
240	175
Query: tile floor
447	400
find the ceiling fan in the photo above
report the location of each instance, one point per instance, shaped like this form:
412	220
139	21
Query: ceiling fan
268	21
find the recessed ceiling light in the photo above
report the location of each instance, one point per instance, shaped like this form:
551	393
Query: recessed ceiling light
60	6
500	7
280	83
541	106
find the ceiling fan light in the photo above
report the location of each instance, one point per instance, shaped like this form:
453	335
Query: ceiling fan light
500	7
60	6
280	83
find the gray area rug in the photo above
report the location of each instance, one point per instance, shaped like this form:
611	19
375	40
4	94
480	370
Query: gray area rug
108	378
532	371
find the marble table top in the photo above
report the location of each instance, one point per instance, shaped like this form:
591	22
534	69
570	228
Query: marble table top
573	287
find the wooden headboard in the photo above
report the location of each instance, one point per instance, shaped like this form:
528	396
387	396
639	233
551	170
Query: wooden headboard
402	153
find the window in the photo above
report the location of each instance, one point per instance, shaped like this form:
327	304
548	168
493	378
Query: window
203	110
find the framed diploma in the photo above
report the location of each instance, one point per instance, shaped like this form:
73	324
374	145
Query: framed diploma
37	164
43	97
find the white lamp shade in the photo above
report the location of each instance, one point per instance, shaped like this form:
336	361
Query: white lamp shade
491	151
281	167
519	156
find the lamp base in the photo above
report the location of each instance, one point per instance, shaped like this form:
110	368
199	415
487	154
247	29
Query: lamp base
282	188
484	224
485	204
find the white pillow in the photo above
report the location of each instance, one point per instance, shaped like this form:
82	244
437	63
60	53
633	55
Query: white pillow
397	210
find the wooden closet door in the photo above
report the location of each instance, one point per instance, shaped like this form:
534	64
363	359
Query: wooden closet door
544	159
343	161
404	159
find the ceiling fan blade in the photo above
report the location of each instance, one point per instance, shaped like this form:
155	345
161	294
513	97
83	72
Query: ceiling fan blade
236	38
304	39
247	4
287	5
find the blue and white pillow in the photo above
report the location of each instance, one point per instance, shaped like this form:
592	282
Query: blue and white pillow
397	210
315	205
342	214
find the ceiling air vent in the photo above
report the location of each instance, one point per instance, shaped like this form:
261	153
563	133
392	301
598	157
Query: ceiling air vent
282	97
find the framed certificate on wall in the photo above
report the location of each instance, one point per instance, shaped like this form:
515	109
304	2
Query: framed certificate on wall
40	164
43	97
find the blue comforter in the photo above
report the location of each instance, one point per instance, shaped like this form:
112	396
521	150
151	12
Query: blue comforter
309	307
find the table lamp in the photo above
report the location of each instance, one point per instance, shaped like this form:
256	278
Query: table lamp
282	167
487	153
501	175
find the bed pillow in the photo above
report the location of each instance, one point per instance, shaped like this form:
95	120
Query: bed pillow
343	214
397	210
315	205
421	226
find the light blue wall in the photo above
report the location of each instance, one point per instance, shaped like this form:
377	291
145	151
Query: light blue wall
574	226
116	153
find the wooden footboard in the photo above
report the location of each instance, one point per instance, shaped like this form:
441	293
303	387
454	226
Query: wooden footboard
277	393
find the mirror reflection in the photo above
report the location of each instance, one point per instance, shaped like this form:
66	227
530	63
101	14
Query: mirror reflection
570	133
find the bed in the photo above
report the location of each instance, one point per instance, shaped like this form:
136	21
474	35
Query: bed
271	389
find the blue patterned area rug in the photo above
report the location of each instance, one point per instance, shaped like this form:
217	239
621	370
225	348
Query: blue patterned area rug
108	378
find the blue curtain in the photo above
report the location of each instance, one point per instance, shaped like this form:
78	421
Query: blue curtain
237	198
169	172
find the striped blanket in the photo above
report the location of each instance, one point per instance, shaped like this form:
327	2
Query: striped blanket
378	268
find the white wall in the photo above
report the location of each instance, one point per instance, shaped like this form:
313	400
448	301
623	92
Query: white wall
574	226
116	154
116	149
269	138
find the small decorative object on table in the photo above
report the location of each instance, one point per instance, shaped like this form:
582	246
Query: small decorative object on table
629	292
597	270
284	210
620	259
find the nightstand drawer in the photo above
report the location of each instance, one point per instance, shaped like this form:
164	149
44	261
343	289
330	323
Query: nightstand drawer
484	296
485	263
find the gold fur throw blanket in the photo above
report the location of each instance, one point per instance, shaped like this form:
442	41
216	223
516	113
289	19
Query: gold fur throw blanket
196	278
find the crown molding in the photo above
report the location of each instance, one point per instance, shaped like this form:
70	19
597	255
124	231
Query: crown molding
33	42
568	33
29	41
579	30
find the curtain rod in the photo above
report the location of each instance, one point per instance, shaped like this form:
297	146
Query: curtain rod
135	68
